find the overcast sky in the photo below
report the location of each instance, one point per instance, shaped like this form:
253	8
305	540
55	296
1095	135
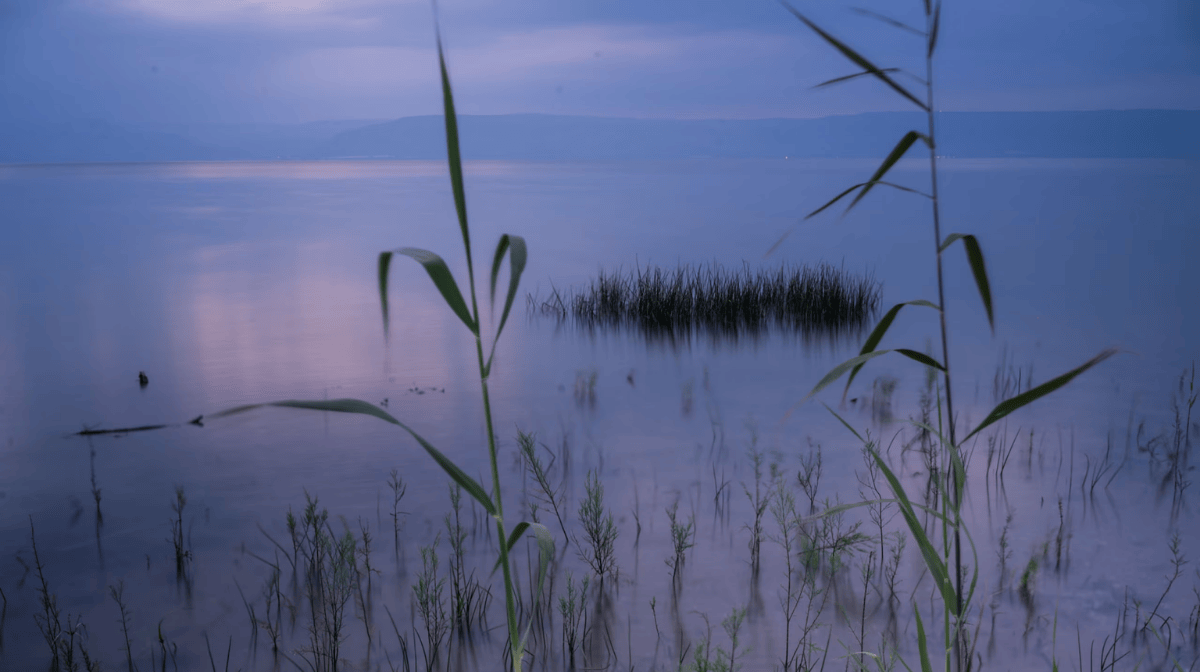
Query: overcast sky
169	61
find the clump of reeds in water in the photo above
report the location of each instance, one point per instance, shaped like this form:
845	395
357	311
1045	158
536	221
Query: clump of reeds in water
811	301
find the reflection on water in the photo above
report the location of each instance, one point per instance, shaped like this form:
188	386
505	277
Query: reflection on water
240	283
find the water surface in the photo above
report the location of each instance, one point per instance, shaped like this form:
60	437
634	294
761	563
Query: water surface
245	282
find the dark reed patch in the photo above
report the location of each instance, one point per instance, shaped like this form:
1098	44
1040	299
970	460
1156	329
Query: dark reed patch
810	301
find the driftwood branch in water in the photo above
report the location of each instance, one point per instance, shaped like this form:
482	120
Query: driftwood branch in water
144	428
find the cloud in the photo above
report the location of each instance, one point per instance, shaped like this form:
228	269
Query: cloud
511	72
269	13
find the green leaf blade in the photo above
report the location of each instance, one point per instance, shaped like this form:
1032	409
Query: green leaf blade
933	32
896	154
979	270
436	267
933	561
517	258
922	645
846	78
385	264
1029	396
878	332
360	407
921	358
855	57
831	202
454	156
889	20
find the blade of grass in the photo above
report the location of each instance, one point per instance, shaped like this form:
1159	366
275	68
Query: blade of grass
845	193
933	561
888	20
849	364
978	269
921	357
878	332
360	407
515	246
933	32
436	267
1006	407
922	645
846	78
385	264
854	56
453	155
844	423
513	538
896	154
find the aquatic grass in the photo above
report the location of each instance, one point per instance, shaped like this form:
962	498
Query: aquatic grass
118	595
182	553
1177	562
431	605
798	653
330	578
683	537
469	599
946	566
547	493
598	546
398	488
759	501
62	638
572	607
810	300
513	249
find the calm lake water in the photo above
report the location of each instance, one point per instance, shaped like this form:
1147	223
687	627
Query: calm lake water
247	282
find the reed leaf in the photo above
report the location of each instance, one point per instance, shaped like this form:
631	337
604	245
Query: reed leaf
831	202
840	369
846	78
513	537
937	567
933	32
878	332
849	364
921	358
545	552
545	542
1025	398
960	469
360	407
517	254
933	561
844	423
436	267
855	57
922	645
385	264
846	192
978	269
897	152
888	20
453	155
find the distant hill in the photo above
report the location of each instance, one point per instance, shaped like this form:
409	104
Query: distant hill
1098	134
1118	134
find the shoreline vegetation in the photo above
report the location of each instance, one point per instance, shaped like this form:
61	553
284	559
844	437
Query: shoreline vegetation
666	303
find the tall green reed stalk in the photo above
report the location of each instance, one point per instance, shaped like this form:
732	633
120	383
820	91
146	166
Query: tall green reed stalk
955	600
510	247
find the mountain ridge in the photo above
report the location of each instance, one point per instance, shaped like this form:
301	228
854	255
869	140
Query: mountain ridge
1085	134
